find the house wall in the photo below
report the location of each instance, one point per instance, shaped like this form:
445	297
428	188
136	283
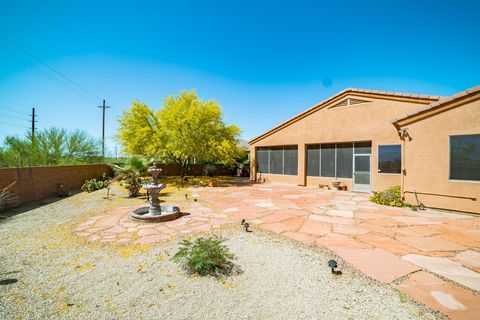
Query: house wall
363	122
427	159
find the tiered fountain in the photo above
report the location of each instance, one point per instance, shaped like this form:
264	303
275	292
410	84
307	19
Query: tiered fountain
155	212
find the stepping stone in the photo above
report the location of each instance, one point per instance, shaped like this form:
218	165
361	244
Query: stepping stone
423	231
277	227
470	259
341	213
378	264
300	237
329	219
433	243
147	232
454	301
415	221
151	239
335	241
448	269
315	228
386	243
107	222
346	229
275	217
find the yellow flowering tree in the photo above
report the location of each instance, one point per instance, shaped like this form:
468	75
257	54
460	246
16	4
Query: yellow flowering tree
184	129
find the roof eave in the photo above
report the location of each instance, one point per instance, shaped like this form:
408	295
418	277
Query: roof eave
339	95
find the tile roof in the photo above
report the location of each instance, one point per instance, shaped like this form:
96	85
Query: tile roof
392	93
348	90
440	102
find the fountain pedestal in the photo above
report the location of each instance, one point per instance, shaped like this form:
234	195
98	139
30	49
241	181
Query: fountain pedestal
155	212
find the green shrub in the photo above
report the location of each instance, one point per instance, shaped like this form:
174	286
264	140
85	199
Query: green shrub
204	256
390	197
130	177
209	170
96	184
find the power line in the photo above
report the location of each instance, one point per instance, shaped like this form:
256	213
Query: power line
10	116
34	68
9	101
49	67
11	109
10	124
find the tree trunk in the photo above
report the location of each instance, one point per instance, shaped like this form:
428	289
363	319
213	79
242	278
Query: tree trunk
184	167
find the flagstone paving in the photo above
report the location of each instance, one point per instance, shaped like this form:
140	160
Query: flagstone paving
416	249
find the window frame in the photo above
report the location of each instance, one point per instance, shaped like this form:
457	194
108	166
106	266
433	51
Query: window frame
449	157
268	149
378	159
337	143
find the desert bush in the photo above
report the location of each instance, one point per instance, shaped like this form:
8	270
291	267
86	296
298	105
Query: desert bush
130	179
204	256
390	197
209	170
96	184
6	195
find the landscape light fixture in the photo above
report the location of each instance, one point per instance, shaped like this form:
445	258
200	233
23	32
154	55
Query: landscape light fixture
246	225
332	264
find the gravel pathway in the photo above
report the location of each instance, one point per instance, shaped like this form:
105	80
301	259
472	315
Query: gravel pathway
61	276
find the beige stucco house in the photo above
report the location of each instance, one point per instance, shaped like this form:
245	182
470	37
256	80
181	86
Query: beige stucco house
371	140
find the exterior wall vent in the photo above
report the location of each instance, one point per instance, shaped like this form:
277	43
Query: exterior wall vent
348	102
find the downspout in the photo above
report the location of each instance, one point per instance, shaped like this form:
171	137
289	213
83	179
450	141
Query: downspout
402	133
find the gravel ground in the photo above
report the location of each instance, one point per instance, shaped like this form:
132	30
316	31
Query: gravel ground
61	276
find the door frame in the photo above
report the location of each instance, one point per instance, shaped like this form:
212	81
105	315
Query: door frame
362	187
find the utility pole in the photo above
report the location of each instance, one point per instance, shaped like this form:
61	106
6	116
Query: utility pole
33	127
103	128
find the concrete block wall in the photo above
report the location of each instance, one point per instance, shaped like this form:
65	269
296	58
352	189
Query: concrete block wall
37	183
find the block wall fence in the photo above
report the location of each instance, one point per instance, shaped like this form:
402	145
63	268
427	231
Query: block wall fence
38	183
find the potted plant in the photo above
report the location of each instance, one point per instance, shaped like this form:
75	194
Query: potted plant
209	170
336	183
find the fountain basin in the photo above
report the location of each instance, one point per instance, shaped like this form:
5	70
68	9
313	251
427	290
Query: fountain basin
167	213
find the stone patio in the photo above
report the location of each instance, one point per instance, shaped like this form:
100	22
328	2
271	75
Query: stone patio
431	256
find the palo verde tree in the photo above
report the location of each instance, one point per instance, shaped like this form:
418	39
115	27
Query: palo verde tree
186	128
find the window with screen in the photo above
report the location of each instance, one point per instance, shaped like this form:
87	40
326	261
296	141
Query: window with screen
465	157
277	160
344	160
327	160
313	160
290	163
334	160
262	160
390	159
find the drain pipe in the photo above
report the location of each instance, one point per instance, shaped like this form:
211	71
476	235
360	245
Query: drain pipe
403	133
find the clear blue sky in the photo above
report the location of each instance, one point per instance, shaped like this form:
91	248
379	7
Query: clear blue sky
263	61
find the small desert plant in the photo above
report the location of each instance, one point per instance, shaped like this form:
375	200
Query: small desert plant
390	197
130	177
96	184
204	256
6	196
209	170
